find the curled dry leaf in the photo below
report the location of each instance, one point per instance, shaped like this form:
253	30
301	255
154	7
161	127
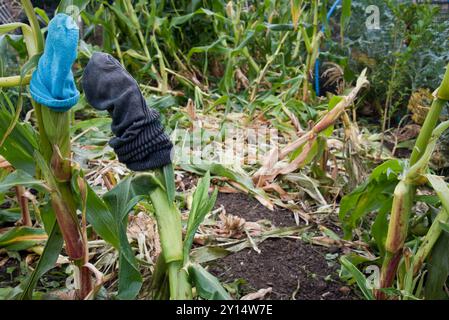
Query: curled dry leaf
190	110
230	225
4	164
61	295
271	167
143	229
259	295
242	79
99	280
3	261
40	249
254	228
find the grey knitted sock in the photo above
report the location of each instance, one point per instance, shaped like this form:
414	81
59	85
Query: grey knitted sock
140	141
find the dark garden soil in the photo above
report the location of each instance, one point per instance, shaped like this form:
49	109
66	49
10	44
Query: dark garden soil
9	272
292	268
250	209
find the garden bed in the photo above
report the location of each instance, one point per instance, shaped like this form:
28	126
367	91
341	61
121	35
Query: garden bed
292	268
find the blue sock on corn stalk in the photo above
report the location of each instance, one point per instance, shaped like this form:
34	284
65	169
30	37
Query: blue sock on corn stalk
52	83
140	141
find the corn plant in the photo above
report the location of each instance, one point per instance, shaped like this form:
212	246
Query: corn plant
53	155
304	148
312	44
392	188
46	154
174	275
42	161
241	46
406	188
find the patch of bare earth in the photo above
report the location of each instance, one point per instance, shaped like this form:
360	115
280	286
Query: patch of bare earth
292	268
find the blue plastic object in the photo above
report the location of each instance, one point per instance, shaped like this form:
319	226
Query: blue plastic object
52	83
317	63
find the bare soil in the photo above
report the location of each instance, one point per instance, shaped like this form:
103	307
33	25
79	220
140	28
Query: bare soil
292	268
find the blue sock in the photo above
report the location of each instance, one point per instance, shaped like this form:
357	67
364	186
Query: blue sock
52	83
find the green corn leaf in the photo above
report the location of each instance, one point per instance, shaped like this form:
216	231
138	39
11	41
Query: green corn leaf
358	276
97	212
274	27
10	215
101	219
295	7
215	46
21	238
46	262
45	170
369	196
41	13
441	189
444	227
176	21
18	148
332	103
207	286
20	178
28	66
345	16
98	123
208	253
109	218
105	217
169	178
379	229
26	31
19	46
9	293
70	6
120	201
8	27
201	206
438	270
220	170
121	16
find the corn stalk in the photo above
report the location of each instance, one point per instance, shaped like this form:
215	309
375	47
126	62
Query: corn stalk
170	231
14	81
312	47
406	189
271	167
174	275
131	12
23	204
54	156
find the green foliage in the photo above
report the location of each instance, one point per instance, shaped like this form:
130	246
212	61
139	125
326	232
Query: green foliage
160	45
374	195
345	16
109	217
22	139
19	178
251	57
358	276
208	287
202	204
64	5
46	262
438	270
405	54
21	238
223	171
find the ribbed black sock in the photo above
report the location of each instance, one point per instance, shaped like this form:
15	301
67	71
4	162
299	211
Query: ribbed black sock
140	141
